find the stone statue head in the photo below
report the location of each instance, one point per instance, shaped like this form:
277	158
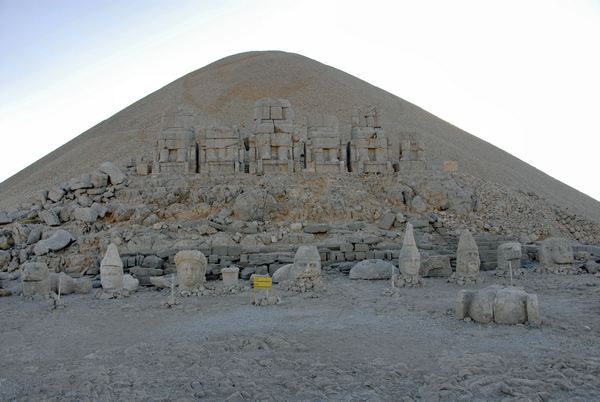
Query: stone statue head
556	250
307	263
191	269
410	258
111	270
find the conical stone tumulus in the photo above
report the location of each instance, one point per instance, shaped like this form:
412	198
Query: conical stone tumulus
111	270
409	261
467	260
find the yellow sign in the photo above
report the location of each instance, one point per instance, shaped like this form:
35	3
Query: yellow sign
263	283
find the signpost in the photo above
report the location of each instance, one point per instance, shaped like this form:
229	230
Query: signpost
261	282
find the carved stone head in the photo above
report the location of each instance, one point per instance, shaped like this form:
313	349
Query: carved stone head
191	269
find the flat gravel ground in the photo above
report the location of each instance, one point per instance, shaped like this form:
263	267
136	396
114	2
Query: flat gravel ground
348	343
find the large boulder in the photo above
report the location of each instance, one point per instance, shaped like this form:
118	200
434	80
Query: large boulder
373	269
57	241
254	205
115	175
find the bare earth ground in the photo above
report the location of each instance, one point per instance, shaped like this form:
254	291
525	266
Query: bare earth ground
351	343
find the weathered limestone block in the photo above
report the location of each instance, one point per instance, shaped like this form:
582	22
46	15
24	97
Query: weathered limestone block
373	269
436	266
111	270
88	215
409	261
230	276
555	251
69	285
5	218
502	305
387	221
115	175
467	260
130	283
34	235
191	269
59	240
99	179
49	217
35	279
509	253
56	194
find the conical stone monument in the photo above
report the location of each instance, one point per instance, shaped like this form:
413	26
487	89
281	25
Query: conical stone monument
111	270
409	261
467	261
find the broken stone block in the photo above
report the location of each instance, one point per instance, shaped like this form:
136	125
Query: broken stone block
56	194
4	218
436	266
387	221
115	175
99	180
509	253
230	276
35	280
373	269
317	228
502	305
49	217
88	215
57	241
130	283
69	285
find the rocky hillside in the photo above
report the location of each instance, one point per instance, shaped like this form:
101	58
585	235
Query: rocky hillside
224	92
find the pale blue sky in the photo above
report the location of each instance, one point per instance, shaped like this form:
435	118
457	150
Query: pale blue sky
523	75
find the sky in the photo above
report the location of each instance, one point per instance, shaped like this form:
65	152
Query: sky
523	75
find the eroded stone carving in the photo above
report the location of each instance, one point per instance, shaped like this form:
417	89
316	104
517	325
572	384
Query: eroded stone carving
555	251
111	270
221	151
502	305
467	260
35	279
409	261
271	145
191	269
509	256
176	145
369	145
324	150
304	274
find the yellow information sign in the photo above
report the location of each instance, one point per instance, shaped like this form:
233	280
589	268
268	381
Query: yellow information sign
263	283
